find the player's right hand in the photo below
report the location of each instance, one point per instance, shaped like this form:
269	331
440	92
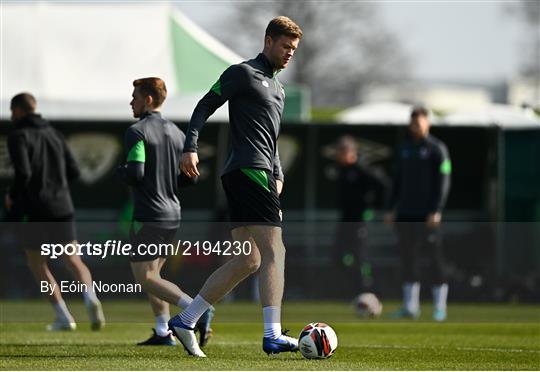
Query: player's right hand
189	162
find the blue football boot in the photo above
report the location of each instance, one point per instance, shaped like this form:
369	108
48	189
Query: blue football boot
281	344
157	340
439	315
404	313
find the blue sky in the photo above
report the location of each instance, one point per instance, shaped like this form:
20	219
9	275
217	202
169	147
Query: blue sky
458	40
465	41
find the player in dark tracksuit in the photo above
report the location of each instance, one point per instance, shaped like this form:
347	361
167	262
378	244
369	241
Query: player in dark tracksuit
44	166
256	101
359	187
421	186
153	150
252	180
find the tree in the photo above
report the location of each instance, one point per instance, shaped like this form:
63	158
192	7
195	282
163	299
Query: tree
345	48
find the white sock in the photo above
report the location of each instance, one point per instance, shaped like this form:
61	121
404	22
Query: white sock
193	312
90	297
411	297
440	294
184	300
162	329
272	321
62	312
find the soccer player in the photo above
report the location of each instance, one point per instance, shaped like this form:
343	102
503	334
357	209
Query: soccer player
358	187
252	180
44	166
421	187
153	151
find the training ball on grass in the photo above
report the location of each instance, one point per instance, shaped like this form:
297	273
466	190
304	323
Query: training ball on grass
367	305
317	341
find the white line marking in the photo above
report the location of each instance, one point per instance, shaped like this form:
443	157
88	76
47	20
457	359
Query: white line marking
498	350
404	347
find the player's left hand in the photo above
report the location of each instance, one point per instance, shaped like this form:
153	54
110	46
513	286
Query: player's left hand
433	220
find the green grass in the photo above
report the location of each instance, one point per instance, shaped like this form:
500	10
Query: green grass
476	337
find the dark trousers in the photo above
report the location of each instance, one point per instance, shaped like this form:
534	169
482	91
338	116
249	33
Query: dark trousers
350	258
421	251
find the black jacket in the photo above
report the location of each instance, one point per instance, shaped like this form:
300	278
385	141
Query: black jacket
256	101
43	166
422	179
359	187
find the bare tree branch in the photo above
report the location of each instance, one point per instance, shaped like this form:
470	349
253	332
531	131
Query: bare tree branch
345	45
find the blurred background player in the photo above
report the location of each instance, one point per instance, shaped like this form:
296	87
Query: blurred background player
359	187
421	186
153	150
43	167
252	180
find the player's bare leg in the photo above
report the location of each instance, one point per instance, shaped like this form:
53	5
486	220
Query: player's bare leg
161	336
148	274
158	306
221	282
40	269
77	268
161	293
81	273
272	269
271	284
227	276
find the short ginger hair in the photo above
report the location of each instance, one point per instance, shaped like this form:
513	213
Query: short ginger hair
154	87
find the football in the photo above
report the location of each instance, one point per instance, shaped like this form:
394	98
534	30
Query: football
317	341
367	305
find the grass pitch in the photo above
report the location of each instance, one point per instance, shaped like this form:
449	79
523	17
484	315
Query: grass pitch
476	337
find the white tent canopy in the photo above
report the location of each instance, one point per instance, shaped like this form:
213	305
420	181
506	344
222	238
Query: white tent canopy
496	114
390	113
79	59
177	108
395	113
376	113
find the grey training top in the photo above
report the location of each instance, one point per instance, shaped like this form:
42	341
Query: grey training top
256	101
158	144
